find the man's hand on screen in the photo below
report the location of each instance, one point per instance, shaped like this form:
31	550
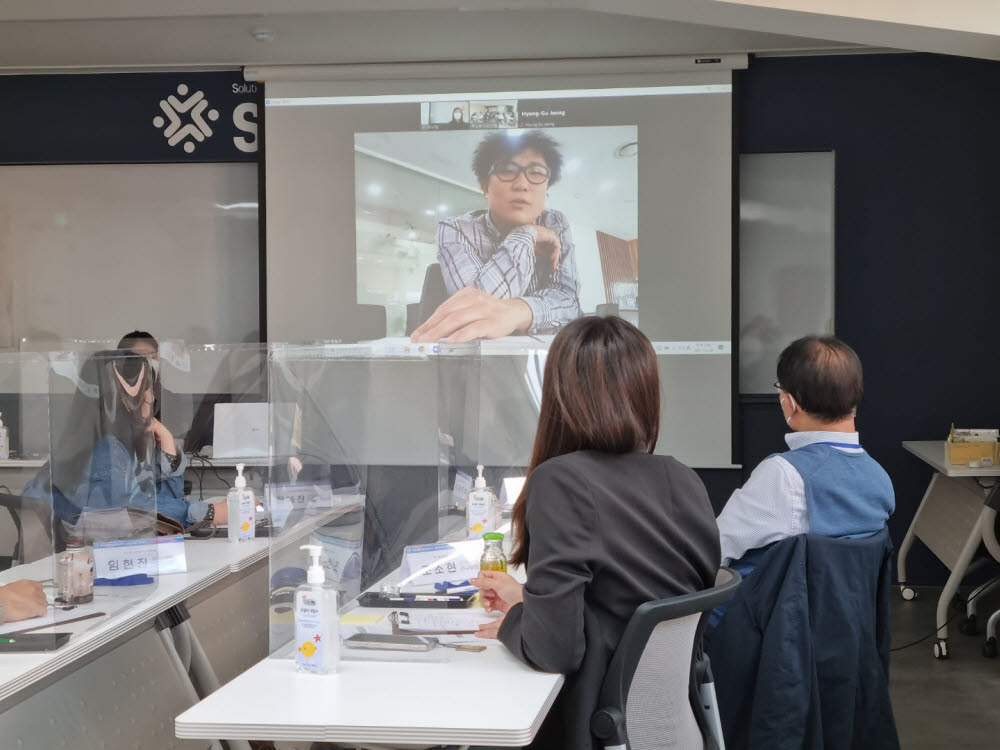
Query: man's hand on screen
472	314
548	246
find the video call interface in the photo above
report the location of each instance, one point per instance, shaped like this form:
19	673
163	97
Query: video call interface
503	215
512	197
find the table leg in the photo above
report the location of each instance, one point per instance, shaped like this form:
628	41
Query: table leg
168	644
911	534
951	586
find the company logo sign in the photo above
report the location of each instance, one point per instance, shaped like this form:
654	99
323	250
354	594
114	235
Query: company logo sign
185	120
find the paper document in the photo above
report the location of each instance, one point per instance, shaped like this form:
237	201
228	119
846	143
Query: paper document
444	621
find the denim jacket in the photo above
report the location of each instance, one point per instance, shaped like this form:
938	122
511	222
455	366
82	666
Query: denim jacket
111	482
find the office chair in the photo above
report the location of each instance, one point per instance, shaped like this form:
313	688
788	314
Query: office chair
658	692
432	294
13	505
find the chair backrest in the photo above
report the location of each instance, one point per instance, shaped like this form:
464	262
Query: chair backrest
658	712
649	679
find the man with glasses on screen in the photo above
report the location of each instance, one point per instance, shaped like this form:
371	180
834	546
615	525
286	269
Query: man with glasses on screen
509	268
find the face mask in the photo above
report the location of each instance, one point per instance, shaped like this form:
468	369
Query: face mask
791	401
457	116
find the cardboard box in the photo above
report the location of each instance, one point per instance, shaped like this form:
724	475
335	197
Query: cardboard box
962	453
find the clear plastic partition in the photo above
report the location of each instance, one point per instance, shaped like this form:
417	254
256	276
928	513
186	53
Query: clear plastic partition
27	562
360	422
489	419
25	522
374	449
213	400
104	482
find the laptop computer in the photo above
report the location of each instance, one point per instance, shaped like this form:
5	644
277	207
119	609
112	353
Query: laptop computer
240	431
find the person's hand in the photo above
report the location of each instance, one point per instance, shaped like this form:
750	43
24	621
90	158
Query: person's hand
294	467
490	629
221	517
472	314
23	600
498	591
548	246
163	438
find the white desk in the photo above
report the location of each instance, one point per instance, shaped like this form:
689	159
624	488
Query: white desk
486	698
957	514
389	703
208	562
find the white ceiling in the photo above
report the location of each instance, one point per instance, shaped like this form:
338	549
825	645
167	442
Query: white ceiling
138	34
201	40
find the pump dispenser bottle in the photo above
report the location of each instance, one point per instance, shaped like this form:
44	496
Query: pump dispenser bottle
317	620
482	509
4	441
242	509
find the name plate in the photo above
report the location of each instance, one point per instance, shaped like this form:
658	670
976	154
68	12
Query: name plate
128	557
427	564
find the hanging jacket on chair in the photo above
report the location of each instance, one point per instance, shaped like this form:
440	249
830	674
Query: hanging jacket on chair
801	658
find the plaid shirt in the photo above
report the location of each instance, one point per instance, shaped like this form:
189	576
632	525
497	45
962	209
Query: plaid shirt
473	252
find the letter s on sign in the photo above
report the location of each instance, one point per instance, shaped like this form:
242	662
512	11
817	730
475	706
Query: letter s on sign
245	120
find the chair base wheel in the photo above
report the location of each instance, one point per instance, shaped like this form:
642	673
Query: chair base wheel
908	594
941	649
968	626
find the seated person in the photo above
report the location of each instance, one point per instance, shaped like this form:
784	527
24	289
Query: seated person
143	344
114	452
602	524
509	267
826	484
22	600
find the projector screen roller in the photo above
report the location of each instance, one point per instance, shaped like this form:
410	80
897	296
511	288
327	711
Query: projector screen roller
389	200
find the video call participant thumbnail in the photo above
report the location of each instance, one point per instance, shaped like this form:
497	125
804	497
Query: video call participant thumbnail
509	268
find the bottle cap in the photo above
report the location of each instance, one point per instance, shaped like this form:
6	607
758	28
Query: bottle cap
240	481
316	573
493	536
480	480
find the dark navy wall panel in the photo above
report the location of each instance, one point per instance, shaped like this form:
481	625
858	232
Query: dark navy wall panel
116	118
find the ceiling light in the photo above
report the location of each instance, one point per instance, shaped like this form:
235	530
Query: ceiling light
627	149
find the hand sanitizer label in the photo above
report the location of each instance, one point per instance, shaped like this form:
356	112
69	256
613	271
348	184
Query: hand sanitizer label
248	511
480	513
308	629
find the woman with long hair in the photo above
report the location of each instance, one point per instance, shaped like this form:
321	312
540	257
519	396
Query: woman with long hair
110	451
602	525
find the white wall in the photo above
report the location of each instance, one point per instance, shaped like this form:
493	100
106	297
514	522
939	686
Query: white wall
94	251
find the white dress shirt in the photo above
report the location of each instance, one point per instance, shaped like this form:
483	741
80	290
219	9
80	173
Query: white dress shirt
772	504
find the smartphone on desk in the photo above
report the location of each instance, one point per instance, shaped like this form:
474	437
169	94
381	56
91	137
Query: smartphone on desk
390	642
31	642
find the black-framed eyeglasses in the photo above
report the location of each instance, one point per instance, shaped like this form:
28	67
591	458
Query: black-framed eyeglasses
778	385
508	171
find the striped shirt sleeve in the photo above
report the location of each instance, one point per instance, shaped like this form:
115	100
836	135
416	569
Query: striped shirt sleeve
508	273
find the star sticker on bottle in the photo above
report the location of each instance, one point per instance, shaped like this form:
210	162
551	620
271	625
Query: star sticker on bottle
317	638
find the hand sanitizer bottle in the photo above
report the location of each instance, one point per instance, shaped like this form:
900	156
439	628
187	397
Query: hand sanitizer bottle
482	508
4	442
317	620
242	509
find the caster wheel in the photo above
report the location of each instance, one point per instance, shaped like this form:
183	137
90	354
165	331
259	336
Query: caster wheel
941	650
908	594
968	626
990	648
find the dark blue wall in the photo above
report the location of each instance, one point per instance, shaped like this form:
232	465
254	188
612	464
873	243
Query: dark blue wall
917	280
